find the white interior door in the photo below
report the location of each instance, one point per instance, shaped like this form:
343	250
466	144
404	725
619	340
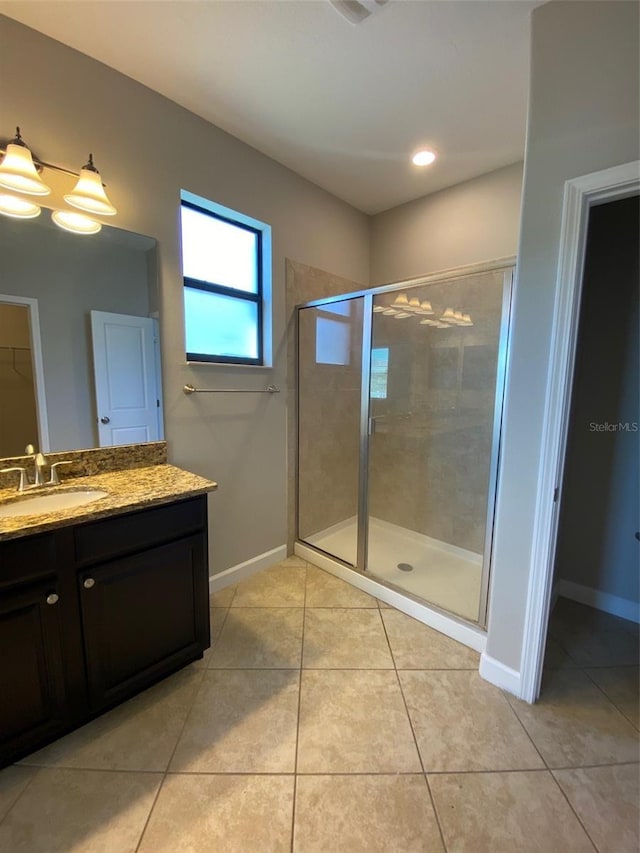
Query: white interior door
126	379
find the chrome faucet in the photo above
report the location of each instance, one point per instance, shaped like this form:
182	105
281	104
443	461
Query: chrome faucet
39	464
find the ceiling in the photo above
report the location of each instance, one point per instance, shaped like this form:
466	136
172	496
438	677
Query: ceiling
343	105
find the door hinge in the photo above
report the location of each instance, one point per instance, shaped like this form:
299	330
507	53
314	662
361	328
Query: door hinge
556	492
157	404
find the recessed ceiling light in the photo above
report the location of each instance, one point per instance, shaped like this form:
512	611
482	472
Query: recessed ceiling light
423	158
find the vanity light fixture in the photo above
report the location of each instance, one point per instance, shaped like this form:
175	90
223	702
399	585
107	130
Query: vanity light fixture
448	317
77	223
424	157
18	171
88	194
18	208
401	301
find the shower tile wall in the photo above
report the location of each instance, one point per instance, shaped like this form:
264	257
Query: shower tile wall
303	284
330	424
431	450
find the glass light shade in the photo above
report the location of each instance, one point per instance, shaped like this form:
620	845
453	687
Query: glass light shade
77	223
88	194
466	320
414	304
401	315
401	301
389	311
448	316
426	307
18	208
17	172
427	322
377	309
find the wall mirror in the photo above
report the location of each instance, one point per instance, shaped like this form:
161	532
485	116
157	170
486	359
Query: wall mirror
79	349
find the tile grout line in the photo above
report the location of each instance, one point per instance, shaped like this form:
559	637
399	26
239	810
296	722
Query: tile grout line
415	739
604	693
13	804
549	771
47	767
206	666
569	803
335	668
295	765
173	752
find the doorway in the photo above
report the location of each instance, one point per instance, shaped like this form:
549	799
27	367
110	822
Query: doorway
593	625
23	417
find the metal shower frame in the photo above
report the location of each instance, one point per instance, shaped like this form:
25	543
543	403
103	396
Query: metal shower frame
507	265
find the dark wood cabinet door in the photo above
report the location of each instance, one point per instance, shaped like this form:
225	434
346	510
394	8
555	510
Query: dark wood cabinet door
143	616
32	689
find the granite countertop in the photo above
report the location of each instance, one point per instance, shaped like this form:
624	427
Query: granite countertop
128	490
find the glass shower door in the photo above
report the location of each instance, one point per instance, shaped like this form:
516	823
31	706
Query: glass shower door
329	424
434	366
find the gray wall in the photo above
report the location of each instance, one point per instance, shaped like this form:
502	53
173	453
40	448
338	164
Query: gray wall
583	117
600	512
465	224
148	149
71	276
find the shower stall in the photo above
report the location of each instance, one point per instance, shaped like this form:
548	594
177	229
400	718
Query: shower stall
399	394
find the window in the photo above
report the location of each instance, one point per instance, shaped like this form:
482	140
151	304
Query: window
379	372
226	264
333	333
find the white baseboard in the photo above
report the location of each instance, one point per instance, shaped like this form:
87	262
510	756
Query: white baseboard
500	675
613	604
249	567
468	635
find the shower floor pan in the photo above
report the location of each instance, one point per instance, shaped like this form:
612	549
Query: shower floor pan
440	573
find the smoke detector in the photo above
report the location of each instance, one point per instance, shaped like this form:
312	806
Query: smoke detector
356	11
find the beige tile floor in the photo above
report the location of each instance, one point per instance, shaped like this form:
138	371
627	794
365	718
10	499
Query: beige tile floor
322	721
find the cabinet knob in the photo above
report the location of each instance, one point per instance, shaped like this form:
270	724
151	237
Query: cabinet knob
52	598
105	420
88	583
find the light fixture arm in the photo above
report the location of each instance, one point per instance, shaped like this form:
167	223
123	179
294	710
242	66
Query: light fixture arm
90	167
18	140
42	164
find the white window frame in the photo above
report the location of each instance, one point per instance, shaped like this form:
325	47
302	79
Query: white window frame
265	261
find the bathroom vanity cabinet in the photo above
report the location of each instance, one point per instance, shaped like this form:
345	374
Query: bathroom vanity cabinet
93	613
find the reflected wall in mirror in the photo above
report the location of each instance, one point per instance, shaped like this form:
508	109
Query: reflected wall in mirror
52	283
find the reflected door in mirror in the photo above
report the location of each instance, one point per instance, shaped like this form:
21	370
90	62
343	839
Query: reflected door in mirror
126	379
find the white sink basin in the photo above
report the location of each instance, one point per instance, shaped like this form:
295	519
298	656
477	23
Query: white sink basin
39	504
